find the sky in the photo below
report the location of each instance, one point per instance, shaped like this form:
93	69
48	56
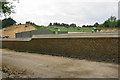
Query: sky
80	12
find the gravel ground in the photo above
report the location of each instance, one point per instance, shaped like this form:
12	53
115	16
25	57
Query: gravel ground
0	73
27	65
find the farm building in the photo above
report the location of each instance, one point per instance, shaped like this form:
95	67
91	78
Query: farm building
28	34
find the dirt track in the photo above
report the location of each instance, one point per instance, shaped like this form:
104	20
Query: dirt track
27	65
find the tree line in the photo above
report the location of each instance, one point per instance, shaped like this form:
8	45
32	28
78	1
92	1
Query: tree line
111	22
8	22
31	23
63	25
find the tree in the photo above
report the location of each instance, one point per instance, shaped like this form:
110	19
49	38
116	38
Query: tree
62	25
72	25
112	19
96	24
50	24
118	23
8	22
83	26
106	24
111	22
100	25
6	8
29	22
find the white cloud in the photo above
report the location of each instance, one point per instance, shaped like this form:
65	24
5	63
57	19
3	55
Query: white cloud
42	12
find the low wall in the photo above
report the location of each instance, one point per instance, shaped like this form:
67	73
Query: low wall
92	48
28	34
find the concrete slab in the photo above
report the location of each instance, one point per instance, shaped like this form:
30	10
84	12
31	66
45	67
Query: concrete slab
74	35
16	39
79	35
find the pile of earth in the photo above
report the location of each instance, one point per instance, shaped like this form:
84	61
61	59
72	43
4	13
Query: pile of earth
10	31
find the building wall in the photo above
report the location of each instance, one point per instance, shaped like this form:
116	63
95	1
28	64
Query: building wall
97	49
26	34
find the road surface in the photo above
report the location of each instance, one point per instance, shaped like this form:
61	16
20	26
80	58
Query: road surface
30	65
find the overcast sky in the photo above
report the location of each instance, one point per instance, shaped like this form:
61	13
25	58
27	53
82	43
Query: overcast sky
42	12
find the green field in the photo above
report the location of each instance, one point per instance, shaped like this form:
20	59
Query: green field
71	30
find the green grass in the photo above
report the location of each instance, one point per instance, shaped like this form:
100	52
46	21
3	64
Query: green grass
39	27
54	28
72	30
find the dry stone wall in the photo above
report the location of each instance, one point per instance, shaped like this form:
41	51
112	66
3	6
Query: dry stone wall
97	49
